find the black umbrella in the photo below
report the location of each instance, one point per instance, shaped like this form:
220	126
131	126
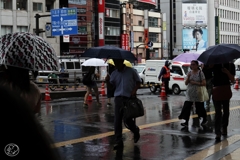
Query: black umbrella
109	52
221	53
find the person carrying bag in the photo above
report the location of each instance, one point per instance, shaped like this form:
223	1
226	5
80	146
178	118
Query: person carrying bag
193	95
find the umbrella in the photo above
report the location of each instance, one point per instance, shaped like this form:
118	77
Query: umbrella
109	52
127	63
27	51
186	57
221	53
94	62
237	62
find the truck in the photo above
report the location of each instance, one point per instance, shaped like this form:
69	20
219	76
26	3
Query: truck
178	73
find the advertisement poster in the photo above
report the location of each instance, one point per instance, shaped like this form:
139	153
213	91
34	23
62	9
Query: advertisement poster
194	14
153	2
195	38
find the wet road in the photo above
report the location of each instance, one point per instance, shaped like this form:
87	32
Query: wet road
87	133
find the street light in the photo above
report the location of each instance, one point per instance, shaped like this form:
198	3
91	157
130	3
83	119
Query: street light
137	51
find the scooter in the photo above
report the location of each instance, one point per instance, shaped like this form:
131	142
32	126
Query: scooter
58	79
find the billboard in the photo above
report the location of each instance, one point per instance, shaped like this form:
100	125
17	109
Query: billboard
153	2
194	14
195	38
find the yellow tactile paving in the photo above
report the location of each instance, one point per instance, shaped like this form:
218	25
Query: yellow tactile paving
215	148
233	156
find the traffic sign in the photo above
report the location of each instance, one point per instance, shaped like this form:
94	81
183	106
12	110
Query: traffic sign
150	44
64	21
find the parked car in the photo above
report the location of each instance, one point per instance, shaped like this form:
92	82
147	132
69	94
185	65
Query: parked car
141	71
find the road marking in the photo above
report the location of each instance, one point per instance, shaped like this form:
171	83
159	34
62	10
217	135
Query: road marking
98	136
215	148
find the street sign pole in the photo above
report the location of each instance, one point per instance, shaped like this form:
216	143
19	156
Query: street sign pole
37	16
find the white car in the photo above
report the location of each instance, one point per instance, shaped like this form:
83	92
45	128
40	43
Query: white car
141	71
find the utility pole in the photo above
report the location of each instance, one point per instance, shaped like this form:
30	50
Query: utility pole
170	25
37	16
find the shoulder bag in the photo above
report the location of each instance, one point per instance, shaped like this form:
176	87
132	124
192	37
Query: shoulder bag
202	91
133	108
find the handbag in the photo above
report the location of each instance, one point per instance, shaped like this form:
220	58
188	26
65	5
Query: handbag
87	79
203	91
220	93
133	108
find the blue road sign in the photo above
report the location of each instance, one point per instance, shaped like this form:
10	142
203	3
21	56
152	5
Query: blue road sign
150	44
64	21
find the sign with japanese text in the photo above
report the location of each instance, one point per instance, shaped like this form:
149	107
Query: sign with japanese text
125	41
194	14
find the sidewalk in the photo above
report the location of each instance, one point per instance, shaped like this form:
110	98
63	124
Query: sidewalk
68	93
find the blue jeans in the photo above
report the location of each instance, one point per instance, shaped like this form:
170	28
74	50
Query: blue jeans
118	118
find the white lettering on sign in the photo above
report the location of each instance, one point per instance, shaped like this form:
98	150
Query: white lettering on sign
101	25
100	2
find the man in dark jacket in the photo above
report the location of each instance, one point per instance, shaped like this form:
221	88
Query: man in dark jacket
165	75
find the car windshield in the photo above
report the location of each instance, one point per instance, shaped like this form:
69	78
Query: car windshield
186	69
139	68
237	73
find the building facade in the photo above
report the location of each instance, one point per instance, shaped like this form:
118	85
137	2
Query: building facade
18	16
192	16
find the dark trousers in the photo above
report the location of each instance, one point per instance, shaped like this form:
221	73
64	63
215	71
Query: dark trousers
166	85
186	110
119	102
221	119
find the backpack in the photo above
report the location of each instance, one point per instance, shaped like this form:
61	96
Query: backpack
87	79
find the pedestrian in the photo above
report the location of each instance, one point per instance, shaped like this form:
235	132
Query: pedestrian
208	73
18	79
110	90
165	75
126	81
24	136
223	75
193	82
91	85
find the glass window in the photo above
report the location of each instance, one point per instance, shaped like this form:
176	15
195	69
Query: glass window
5	4
37	6
69	65
49	5
114	13
112	31
21	4
77	65
6	30
153	22
153	37
177	70
22	28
